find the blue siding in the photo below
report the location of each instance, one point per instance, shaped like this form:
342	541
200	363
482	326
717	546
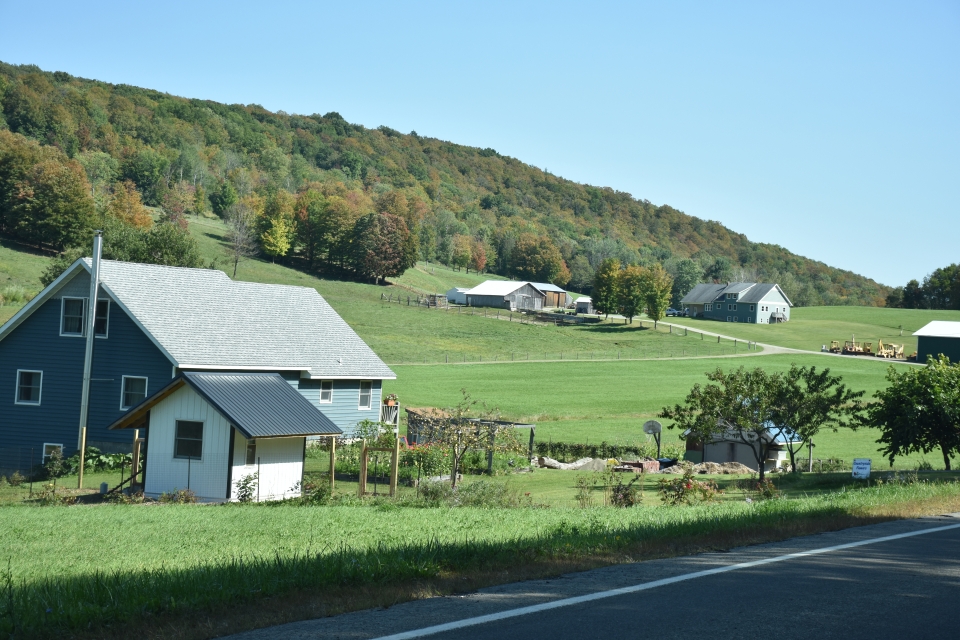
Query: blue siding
37	344
343	410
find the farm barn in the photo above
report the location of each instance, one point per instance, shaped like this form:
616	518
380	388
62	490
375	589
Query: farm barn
585	305
554	296
506	294
207	431
751	302
939	336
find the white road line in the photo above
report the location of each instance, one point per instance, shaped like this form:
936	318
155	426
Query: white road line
600	595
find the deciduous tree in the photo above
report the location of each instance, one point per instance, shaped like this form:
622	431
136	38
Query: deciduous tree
381	246
606	287
919	411
657	287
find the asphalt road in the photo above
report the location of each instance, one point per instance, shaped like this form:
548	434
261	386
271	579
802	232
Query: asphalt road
908	587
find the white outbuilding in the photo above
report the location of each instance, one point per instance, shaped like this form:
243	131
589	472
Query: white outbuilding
206	432
457	295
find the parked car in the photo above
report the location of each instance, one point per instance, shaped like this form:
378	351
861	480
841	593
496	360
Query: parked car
672	312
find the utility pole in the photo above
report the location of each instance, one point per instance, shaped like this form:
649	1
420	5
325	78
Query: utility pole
90	321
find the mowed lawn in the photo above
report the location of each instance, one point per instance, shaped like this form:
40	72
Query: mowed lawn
810	328
609	401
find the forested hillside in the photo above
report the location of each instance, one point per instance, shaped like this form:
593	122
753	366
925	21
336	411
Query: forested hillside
329	196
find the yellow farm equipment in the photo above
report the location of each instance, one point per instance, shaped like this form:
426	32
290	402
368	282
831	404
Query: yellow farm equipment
854	348
835	346
889	350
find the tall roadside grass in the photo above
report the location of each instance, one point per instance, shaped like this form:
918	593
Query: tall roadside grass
61	602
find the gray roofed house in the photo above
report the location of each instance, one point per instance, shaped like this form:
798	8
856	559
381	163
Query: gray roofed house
757	303
153	323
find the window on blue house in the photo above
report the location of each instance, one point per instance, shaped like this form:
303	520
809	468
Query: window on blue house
102	321
71	321
189	440
73	317
133	392
366	394
326	391
251	452
29	384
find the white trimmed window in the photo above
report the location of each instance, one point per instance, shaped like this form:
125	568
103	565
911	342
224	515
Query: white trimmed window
366	394
708	307
751	307
71	316
73	313
326	391
729	318
189	440
251	458
48	449
29	386
102	322
133	391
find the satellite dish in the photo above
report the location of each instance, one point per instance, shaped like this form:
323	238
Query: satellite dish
651	427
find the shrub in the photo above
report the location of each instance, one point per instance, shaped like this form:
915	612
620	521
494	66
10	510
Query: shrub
315	493
585	485
179	496
766	490
16	479
121	497
247	487
624	495
687	490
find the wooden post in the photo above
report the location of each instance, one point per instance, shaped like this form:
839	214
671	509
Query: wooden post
533	431
333	461
362	488
135	463
395	464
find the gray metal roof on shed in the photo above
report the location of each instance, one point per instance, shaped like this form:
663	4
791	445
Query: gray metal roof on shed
201	319
259	405
545	286
496	288
939	329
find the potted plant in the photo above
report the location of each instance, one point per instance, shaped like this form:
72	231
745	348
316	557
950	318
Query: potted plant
390	400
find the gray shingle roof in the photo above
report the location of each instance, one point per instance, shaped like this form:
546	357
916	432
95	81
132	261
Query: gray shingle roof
703	293
756	293
203	319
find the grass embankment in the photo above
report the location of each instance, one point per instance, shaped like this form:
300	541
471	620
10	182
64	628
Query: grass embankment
812	327
75	570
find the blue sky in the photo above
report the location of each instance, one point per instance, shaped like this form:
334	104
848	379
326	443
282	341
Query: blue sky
831	129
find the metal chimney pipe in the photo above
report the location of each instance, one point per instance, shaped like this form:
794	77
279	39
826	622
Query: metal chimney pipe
90	321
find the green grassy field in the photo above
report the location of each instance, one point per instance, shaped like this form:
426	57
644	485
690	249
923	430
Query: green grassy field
811	327
609	401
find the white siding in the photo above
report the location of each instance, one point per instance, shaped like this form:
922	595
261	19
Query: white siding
208	476
281	466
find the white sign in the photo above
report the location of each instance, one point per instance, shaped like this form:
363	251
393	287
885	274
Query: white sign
861	468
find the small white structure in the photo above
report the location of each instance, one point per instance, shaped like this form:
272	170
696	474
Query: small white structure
585	305
208	431
457	295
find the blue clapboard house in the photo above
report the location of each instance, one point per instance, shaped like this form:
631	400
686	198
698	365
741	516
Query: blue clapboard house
154	323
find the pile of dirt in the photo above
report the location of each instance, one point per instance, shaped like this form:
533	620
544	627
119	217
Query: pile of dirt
713	468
